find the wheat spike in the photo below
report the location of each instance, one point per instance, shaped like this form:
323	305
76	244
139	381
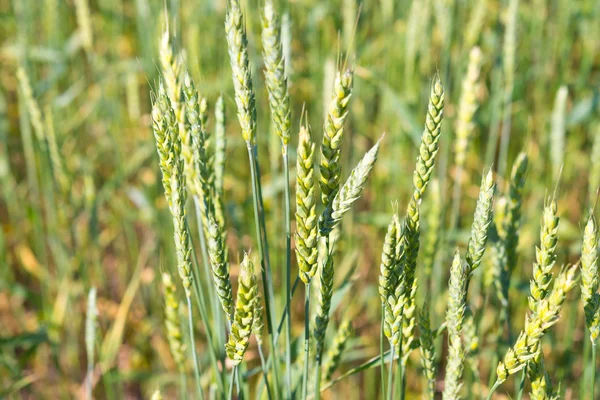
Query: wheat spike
545	256
427	351
333	132
454	321
349	192
245	307
536	325
172	322
481	222
275	77
306	218
334	355
467	107
237	45
590	281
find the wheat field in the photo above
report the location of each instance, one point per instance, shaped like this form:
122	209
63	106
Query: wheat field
233	199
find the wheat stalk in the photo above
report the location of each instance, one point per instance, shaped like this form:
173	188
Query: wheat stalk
90	339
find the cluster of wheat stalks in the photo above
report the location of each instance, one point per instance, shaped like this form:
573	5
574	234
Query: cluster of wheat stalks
191	160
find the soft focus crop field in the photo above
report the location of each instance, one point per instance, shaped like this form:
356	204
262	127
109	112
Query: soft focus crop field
415	181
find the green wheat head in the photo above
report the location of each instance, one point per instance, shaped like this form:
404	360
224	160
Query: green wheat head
275	77
481	222
455	315
333	133
545	256
536	325
306	217
173	322
245	308
349	192
237	45
590	281
427	351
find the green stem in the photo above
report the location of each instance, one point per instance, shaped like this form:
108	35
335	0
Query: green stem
306	340
204	252
204	316
382	363
263	252
288	272
285	312
193	348
182	385
584	385
495	359
88	383
280	326
233	373
390	391
263	366
317	395
593	384
493	389
402	373
522	384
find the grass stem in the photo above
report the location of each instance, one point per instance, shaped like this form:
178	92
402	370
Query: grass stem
306	341
288	272
390	389
593	379
233	374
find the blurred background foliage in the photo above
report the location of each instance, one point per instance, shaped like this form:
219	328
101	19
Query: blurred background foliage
81	203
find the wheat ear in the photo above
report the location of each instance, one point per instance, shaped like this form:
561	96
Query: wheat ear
349	192
173	322
306	218
333	132
455	316
245	308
